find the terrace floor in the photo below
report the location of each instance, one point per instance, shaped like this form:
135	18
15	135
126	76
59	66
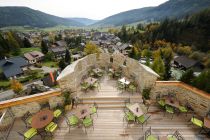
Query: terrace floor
109	124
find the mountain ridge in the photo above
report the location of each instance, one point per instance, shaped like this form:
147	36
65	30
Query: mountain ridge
169	9
30	17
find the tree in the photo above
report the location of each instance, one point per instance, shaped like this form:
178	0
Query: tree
4	48
91	48
13	44
187	77
135	54
16	86
62	64
203	81
167	54
26	43
146	53
158	66
67	57
44	47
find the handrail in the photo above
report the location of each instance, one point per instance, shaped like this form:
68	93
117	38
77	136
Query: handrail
29	99
185	86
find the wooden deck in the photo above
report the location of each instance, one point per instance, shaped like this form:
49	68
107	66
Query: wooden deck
109	124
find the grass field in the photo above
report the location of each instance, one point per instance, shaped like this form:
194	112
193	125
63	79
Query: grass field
50	64
25	50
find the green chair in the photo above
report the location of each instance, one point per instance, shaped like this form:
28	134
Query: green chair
96	85
132	88
175	136
143	119
29	134
117	74
120	86
72	121
110	74
169	110
171	137
183	109
99	74
50	128
161	103
84	86
87	122
94	109
27	119
198	123
129	117
57	113
148	135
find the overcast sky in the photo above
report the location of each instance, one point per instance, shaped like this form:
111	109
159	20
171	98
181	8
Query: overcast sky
94	9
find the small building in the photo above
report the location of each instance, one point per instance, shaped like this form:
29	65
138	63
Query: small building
58	52
34	57
13	67
50	79
186	63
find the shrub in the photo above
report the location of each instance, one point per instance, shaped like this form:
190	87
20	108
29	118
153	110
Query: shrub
146	93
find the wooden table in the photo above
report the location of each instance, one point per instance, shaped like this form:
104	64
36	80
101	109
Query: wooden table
82	111
97	70
124	81
42	119
91	80
172	102
133	108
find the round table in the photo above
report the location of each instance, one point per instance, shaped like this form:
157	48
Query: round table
42	119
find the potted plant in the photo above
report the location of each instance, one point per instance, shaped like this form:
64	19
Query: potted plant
67	100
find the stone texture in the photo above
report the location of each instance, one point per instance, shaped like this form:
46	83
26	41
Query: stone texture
200	104
71	80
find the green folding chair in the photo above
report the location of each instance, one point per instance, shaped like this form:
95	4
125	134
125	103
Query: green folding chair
29	134
120	86
94	109
149	136
87	122
96	85
162	103
129	117
132	88
143	119
27	119
84	86
72	121
50	128
198	123
57	113
169	110
175	136
183	109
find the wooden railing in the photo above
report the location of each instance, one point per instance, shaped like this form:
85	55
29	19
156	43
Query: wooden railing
28	99
185	86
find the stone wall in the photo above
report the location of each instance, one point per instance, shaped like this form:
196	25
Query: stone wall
71	76
199	100
34	107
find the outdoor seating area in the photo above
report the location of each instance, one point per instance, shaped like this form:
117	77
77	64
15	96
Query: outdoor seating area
109	113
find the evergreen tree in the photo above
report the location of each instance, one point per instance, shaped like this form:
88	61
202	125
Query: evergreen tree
62	64
187	77
158	66
203	81
67	57
4	48
44	47
26	43
13	44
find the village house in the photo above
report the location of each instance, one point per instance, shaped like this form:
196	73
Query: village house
34	57
13	67
186	63
59	49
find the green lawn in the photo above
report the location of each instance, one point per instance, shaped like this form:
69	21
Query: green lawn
25	50
50	64
4	84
